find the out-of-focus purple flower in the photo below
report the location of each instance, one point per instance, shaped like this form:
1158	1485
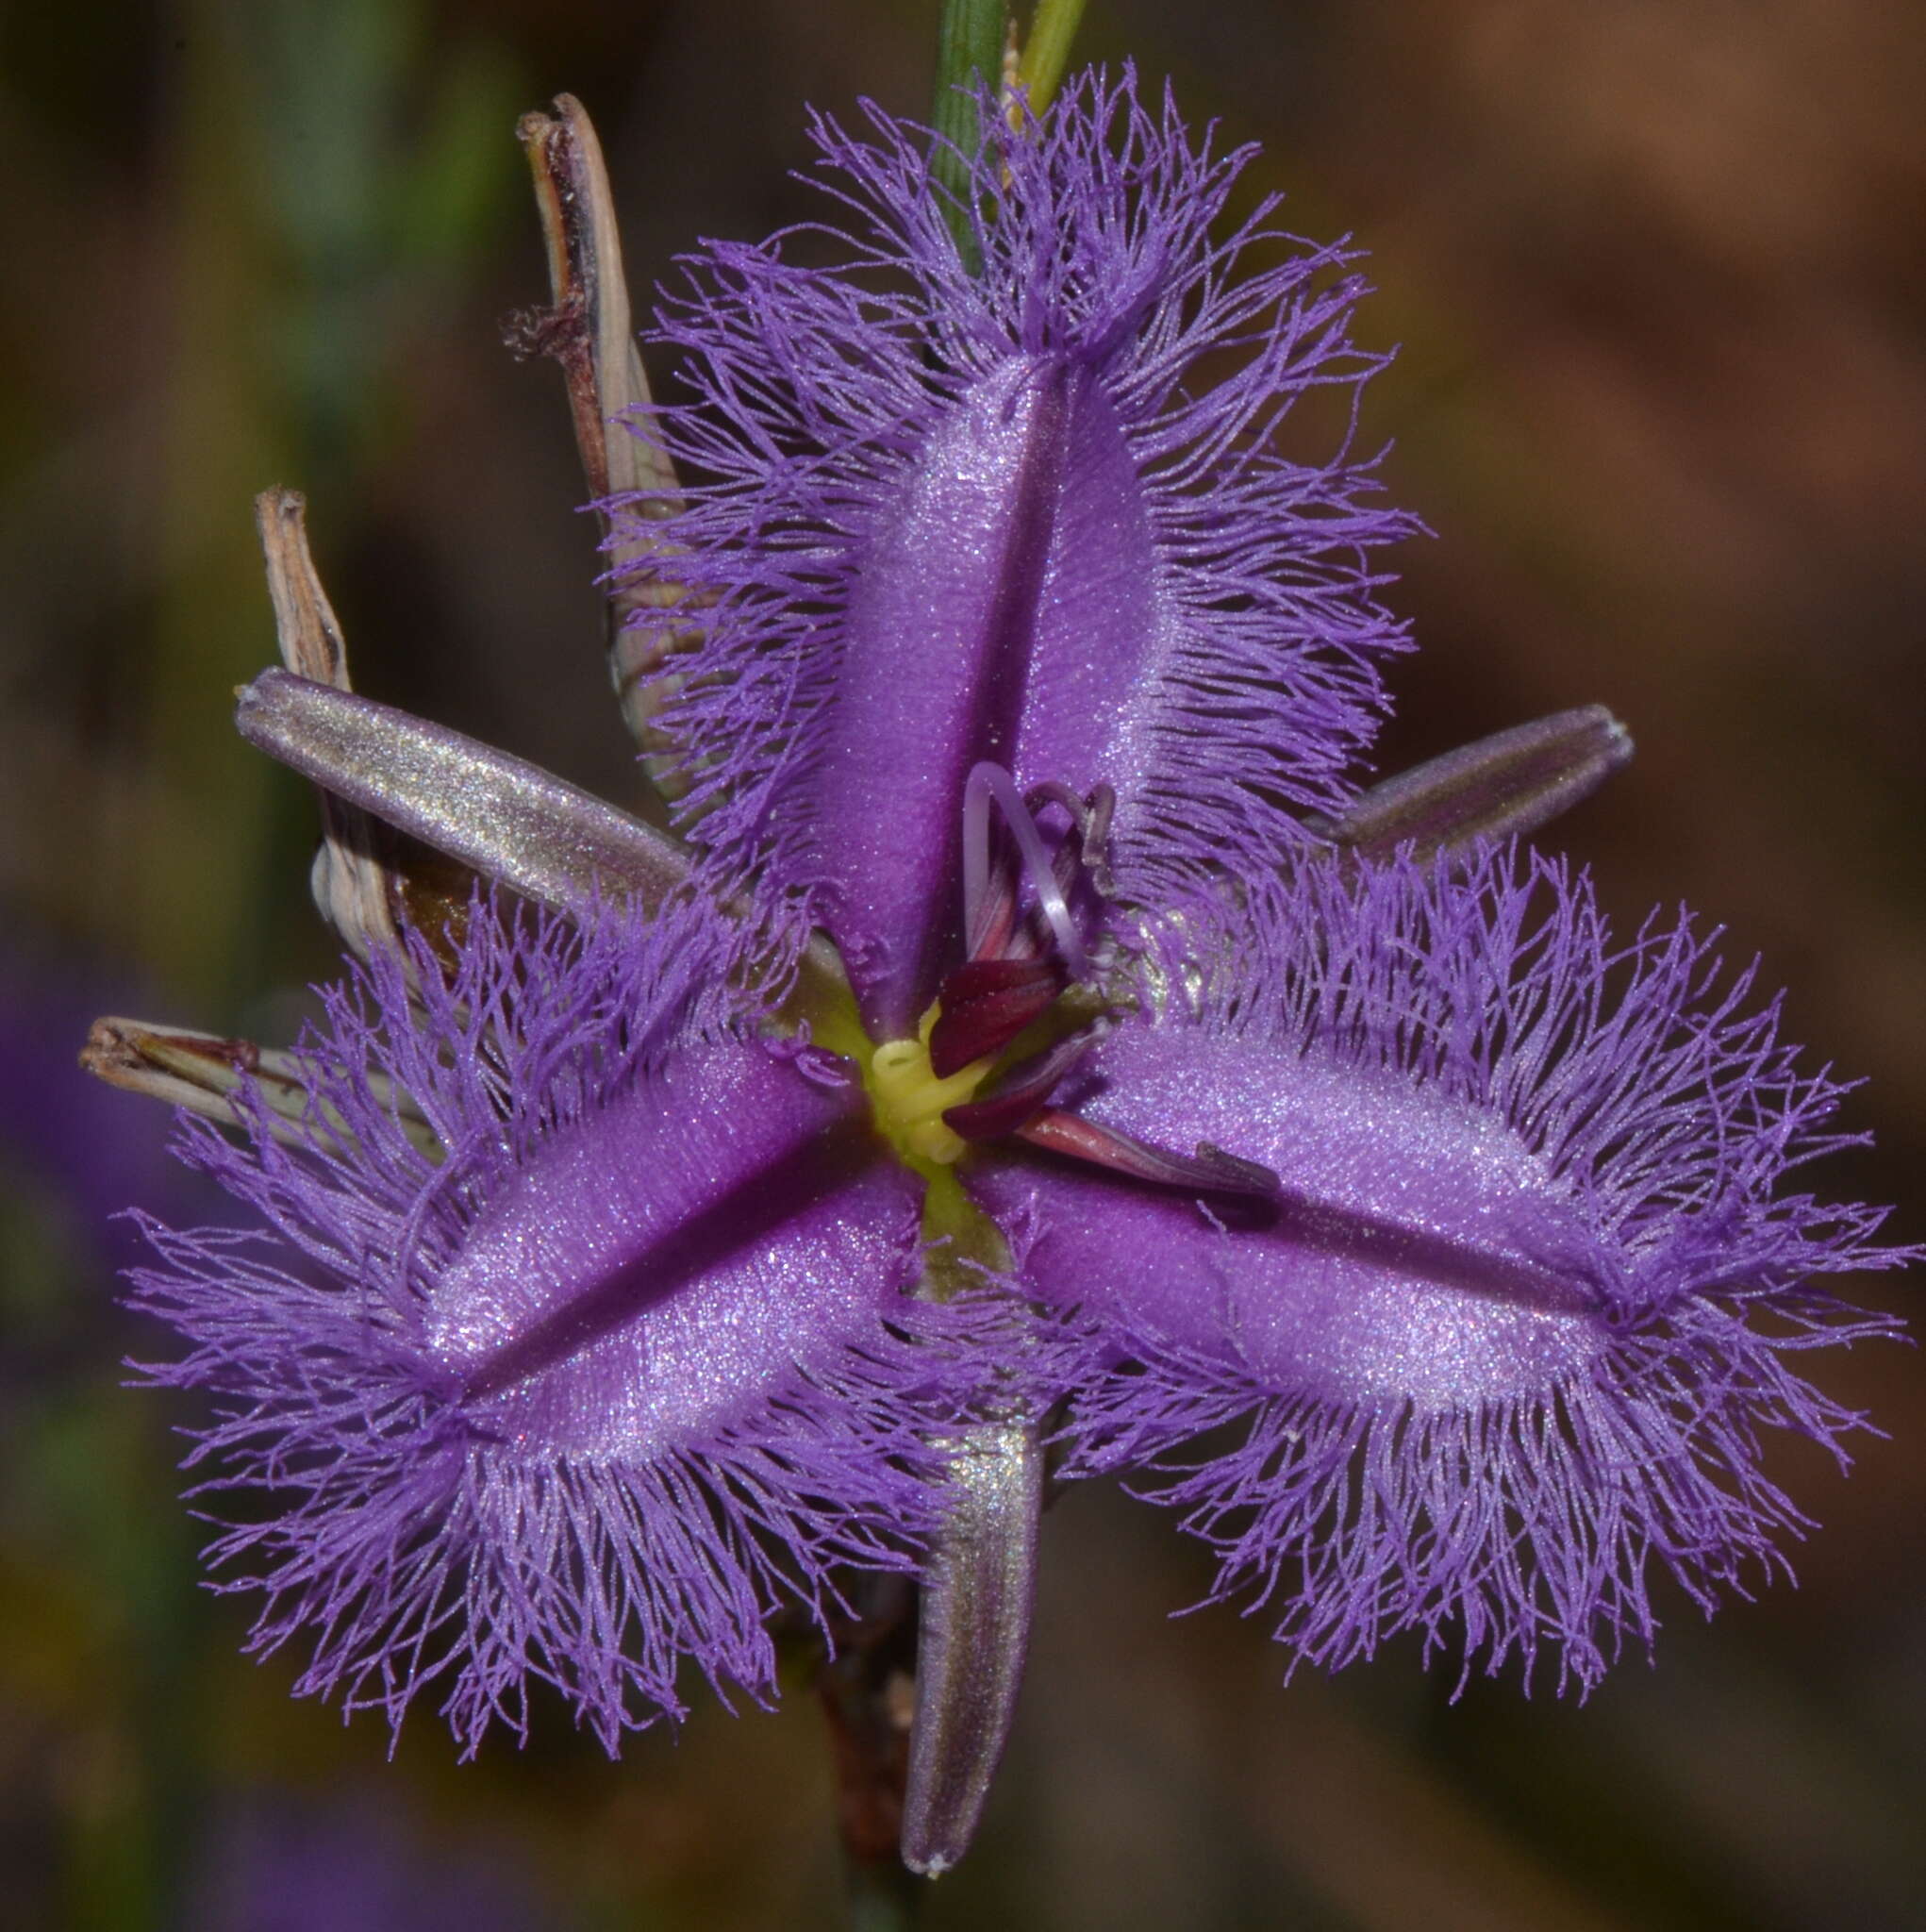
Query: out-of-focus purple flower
576	1342
1035	515
84	1154
1530	1287
282	1861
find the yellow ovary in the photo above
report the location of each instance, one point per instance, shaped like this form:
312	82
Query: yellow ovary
909	1100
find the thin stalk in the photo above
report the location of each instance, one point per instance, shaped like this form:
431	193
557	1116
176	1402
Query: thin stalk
1046	53
970	55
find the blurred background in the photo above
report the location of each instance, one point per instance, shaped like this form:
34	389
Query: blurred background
1655	267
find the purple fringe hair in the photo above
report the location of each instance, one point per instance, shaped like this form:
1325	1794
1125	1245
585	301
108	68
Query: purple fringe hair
1656	1097
820	394
409	1543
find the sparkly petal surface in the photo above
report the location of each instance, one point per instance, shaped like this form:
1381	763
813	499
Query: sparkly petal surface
584	1400
1535	1285
634	1287
1416	1253
1012	517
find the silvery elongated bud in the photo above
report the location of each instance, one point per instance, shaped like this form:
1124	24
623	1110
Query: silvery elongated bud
1509	783
975	1628
510	820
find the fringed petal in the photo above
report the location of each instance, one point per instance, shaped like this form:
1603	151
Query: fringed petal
587	1396
957	517
1533	1284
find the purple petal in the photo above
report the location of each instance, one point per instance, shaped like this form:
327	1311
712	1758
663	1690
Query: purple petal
1534	1285
1005	517
633	1287
1400	1261
584	1399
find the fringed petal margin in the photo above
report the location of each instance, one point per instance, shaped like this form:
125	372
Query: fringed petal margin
1040	514
1534	1288
479	1422
412	1550
1501	1531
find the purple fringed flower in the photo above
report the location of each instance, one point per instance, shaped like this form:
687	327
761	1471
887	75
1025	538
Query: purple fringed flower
1033	515
577	1342
1473	1220
1528	1291
1014	656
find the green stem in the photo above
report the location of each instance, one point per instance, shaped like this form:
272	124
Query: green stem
970	54
1046	53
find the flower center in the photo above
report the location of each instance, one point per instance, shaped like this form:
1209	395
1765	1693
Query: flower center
909	1100
1022	1009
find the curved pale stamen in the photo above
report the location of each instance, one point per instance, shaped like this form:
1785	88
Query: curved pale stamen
988	782
1091	817
1093	827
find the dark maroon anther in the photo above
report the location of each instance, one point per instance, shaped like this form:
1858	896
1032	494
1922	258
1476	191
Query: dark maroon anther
989	920
1002	1113
1210	1170
1236	1175
986	1003
1022	1091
